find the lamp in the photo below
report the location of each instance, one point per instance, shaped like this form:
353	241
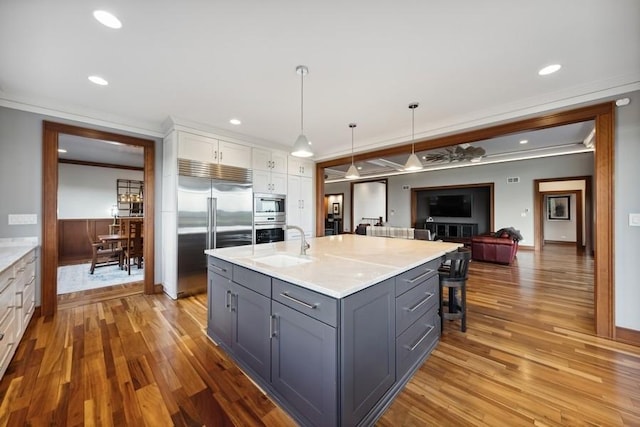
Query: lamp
302	146
114	213
413	163
352	172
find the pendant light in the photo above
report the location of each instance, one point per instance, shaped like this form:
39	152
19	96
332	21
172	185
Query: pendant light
302	146
352	172
413	163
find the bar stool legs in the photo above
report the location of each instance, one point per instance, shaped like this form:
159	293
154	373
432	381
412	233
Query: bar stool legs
453	276
454	307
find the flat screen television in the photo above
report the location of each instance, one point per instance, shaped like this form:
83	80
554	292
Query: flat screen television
458	205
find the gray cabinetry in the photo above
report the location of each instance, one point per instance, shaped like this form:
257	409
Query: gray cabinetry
304	368
368	349
327	361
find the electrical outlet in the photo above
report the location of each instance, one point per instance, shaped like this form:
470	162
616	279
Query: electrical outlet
23	219
634	219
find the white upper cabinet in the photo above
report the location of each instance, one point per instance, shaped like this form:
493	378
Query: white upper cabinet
211	150
269	171
272	161
300	167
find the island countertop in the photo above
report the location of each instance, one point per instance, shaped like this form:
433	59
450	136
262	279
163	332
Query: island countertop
339	265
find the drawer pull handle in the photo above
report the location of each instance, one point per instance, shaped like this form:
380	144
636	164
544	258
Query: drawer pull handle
20	270
413	347
33	279
215	267
227	300
11	279
306	304
272	326
420	303
32	261
21	305
1	336
415	279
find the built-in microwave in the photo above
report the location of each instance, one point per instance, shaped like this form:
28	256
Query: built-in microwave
269	209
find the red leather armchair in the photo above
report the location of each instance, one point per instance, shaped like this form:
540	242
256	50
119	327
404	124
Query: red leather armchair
501	250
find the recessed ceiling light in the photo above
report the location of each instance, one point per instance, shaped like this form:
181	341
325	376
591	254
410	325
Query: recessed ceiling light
524	141
61	150
549	69
235	122
107	19
98	80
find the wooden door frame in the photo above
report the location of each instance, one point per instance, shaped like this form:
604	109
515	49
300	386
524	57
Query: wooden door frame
51	132
539	209
604	117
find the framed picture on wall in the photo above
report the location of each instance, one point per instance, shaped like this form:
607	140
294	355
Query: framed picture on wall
559	208
336	209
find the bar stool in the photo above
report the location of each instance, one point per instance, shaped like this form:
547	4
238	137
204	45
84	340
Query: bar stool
453	275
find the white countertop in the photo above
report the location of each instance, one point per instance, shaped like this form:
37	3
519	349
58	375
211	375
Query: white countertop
340	265
12	249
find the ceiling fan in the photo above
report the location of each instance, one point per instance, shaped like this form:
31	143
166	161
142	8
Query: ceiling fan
458	154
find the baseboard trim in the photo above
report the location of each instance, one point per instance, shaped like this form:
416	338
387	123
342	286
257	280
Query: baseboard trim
158	288
629	336
526	248
560	242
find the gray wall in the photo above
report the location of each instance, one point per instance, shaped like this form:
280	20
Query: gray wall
513	202
627	200
21	174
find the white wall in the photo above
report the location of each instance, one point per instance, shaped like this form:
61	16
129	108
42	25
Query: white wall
561	230
369	201
627	200
89	191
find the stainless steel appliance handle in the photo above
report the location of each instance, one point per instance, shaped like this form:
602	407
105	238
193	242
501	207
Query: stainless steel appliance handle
212	223
208	237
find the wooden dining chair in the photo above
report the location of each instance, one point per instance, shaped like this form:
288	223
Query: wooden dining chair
133	245
101	254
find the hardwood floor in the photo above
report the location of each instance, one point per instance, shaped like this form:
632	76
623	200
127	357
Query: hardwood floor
528	357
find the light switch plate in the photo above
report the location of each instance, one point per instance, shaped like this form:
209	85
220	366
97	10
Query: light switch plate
22	219
634	219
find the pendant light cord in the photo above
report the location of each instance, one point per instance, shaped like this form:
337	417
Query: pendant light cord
413	115
302	102
352	144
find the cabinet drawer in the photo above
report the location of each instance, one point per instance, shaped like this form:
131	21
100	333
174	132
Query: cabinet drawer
415	276
7	292
253	280
418	340
311	303
414	303
30	266
8	341
220	267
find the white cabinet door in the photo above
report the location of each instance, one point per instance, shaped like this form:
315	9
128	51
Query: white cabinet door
196	147
306	206
232	154
300	167
261	181
300	205
279	162
278	183
260	160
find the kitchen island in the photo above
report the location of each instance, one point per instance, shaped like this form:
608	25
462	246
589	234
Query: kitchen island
335	334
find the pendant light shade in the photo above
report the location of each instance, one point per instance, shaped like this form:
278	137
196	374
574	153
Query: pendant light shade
352	172
413	162
302	146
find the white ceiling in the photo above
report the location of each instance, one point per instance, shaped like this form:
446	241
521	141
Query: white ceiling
468	63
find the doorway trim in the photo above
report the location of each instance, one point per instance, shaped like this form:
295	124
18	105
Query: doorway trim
51	132
603	236
538	211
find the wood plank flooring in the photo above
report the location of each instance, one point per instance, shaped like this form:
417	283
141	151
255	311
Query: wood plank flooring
528	358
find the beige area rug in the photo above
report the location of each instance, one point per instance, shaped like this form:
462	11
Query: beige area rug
75	278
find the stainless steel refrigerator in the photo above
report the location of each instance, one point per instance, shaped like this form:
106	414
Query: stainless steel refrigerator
213	212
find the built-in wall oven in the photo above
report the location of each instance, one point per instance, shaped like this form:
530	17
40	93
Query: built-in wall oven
269	216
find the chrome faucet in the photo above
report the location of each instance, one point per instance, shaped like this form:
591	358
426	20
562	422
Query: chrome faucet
303	242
